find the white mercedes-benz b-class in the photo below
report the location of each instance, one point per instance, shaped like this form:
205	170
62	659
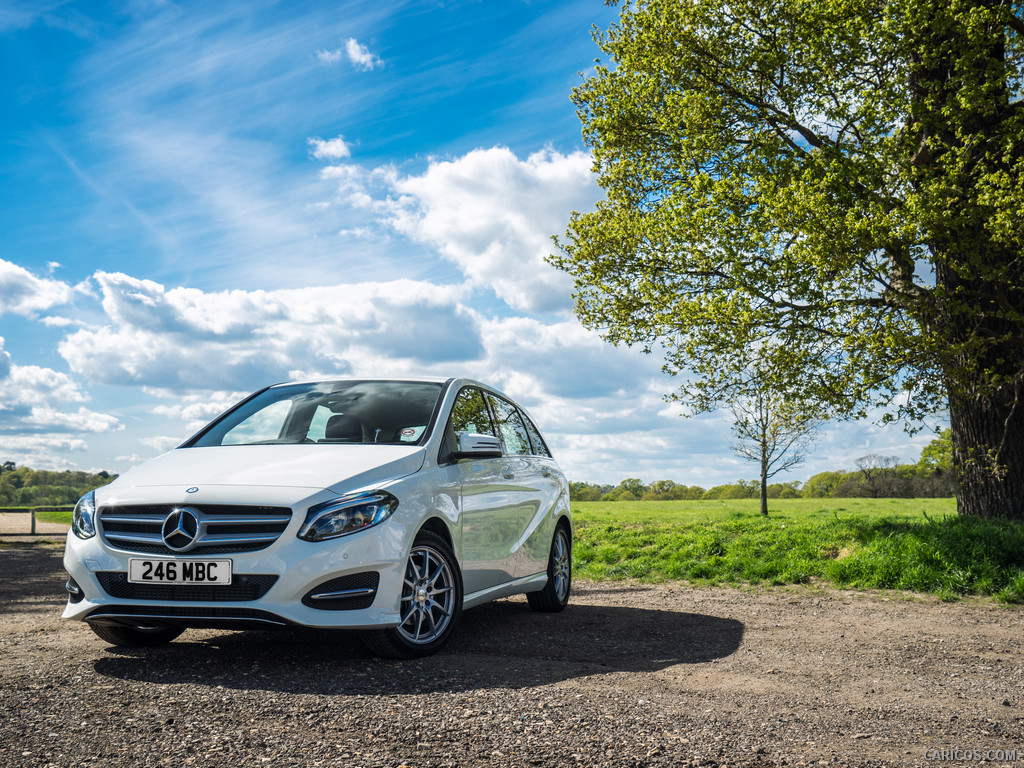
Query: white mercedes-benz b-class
386	506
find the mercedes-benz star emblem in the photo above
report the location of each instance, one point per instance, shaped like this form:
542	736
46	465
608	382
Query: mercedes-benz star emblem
181	529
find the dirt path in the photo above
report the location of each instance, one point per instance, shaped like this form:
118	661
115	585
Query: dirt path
629	675
21	523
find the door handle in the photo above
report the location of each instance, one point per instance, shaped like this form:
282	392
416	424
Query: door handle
545	472
507	473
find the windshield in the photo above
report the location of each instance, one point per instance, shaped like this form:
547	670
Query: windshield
374	412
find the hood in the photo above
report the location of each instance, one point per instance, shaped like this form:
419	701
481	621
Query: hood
280	466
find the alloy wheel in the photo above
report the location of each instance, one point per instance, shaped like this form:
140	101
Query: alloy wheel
427	596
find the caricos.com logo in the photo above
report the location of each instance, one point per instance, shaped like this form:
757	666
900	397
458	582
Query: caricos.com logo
960	754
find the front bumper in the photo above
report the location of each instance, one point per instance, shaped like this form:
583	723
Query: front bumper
267	591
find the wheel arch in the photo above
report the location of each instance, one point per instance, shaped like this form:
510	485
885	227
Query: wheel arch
439	527
564	521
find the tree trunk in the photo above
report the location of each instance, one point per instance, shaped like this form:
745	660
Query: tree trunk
964	133
988	455
764	490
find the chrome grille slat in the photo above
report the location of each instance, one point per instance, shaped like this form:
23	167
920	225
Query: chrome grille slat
158	519
136	538
237	538
281	520
227	527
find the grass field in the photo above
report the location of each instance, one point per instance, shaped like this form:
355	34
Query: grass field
909	544
57	516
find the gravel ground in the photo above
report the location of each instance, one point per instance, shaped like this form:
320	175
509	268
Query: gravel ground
629	675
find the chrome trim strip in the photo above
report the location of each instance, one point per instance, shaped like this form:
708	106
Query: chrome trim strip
251	520
137	618
236	538
342	594
135	538
158	519
533	582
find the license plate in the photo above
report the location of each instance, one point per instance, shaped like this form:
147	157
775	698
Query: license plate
179	571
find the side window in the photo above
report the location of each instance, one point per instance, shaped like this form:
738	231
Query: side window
469	414
511	425
536	440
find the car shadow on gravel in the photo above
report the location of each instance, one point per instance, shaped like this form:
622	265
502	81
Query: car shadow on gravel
498	645
31	577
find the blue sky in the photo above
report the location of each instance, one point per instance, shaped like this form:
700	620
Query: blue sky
198	199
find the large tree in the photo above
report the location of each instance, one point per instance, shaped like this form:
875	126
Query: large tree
837	181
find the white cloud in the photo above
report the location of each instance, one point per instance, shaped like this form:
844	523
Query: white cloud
360	55
494	214
329	57
488	212
188	340
22	293
5	361
330	149
356	52
36	400
42	451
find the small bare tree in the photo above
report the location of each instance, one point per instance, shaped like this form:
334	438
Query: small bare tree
775	432
878	472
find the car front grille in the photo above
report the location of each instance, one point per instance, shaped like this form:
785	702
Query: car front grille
224	528
243	587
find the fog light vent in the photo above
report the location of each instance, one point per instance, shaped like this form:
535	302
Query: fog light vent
345	593
75	594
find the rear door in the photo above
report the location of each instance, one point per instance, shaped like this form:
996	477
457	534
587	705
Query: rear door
547	497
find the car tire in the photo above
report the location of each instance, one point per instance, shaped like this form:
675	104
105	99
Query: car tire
135	637
555	595
430	605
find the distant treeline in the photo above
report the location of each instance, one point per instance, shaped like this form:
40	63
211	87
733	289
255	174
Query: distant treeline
24	487
875	477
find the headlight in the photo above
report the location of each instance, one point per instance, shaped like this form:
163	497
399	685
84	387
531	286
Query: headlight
83	521
347	514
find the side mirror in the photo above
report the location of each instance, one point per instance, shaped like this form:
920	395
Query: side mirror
472	445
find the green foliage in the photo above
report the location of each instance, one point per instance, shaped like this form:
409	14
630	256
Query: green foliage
824	484
904	481
632	489
25	487
909	545
937	456
587	491
667	490
629	489
741	489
